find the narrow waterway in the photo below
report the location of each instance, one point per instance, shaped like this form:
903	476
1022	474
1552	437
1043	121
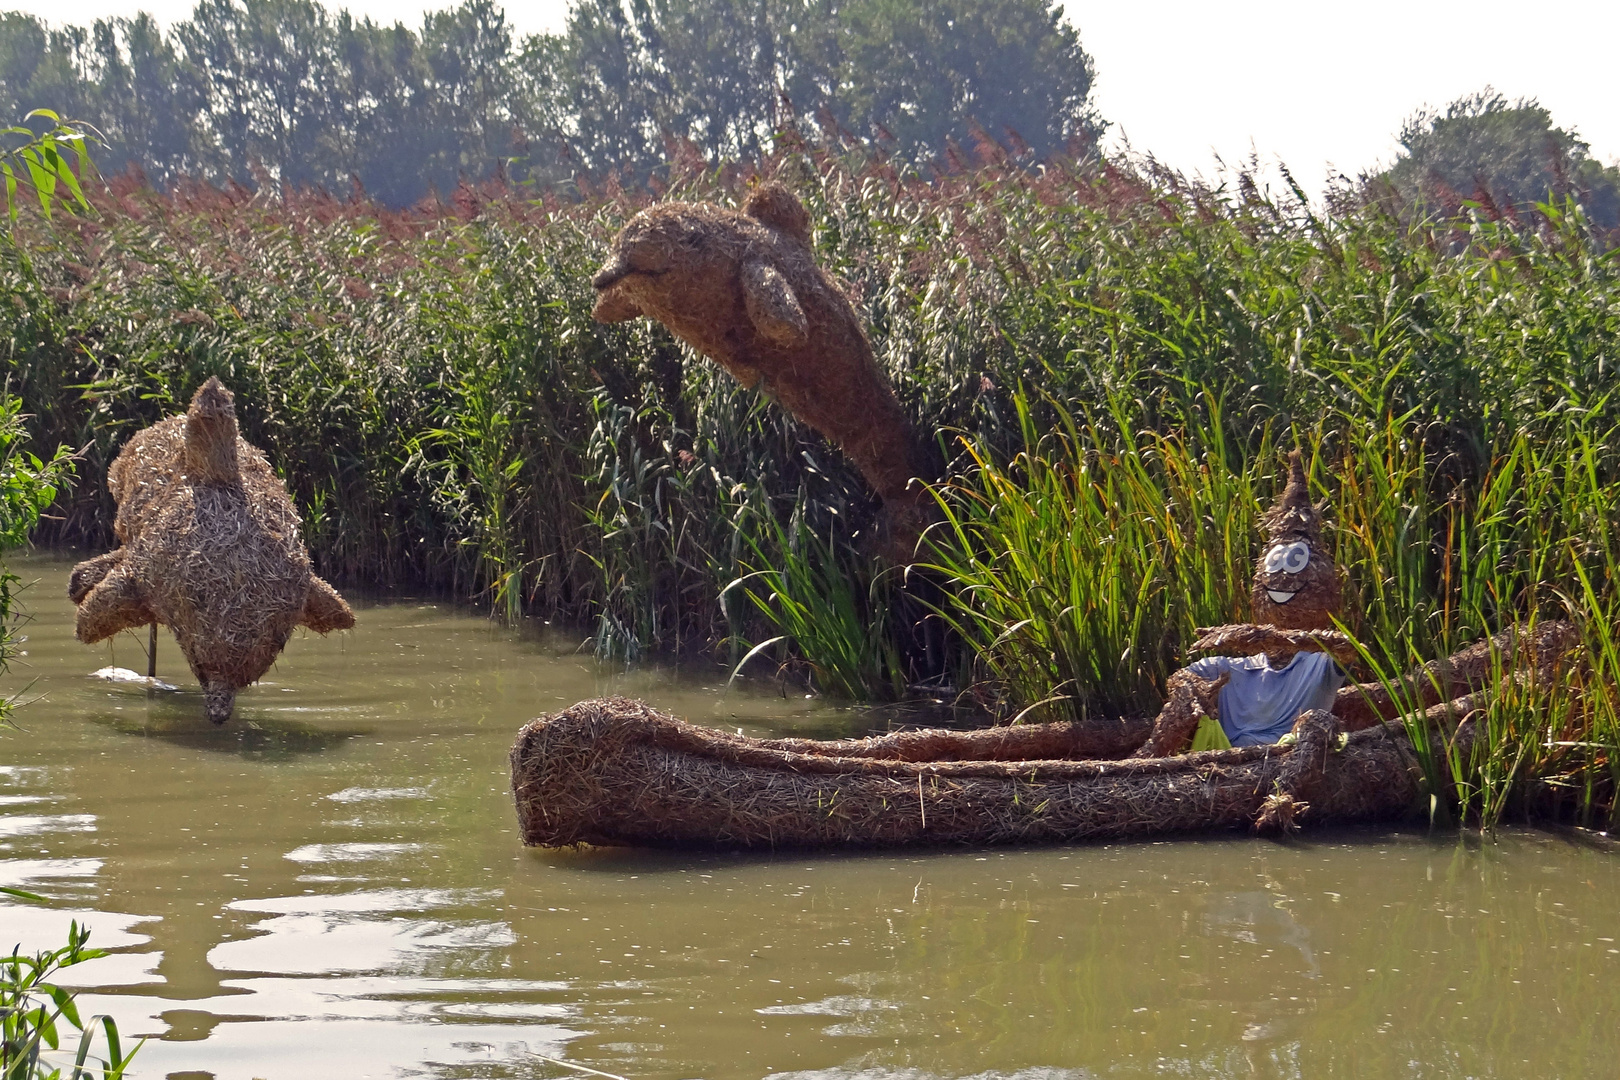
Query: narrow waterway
331	886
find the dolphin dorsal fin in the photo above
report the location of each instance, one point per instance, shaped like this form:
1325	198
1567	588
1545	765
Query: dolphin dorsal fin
774	205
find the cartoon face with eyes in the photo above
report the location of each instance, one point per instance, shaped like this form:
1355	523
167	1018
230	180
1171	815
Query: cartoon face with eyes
1296	585
1287	558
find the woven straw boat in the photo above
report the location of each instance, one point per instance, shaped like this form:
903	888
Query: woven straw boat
618	772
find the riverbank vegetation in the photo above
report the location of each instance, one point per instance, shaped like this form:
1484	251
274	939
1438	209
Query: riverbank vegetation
36	1014
42	1036
1113	360
41	166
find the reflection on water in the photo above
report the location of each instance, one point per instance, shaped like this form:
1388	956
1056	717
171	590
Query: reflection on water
1253	917
178	718
347	898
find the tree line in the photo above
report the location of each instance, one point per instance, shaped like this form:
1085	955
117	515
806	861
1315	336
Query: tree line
288	91
1506	156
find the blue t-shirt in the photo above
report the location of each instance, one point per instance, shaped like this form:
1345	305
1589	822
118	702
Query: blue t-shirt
1259	703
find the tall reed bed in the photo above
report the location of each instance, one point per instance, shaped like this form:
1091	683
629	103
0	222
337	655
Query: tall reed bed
1081	565
1113	362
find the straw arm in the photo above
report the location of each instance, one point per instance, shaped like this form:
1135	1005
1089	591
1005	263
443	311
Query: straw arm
1246	639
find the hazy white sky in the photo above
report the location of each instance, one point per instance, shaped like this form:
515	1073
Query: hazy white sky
1308	82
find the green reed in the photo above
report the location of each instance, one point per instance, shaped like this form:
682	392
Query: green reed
39	1019
1079	565
826	602
432	388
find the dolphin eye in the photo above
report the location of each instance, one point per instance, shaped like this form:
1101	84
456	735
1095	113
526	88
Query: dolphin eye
1295	557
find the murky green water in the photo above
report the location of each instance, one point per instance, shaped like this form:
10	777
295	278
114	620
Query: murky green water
331	887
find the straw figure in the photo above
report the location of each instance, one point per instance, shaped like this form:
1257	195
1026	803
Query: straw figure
743	289
1296	585
210	550
1261	676
1288	661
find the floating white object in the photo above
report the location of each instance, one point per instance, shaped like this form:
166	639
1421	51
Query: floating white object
132	678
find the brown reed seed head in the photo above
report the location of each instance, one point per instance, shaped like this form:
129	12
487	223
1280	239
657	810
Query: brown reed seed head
210	549
1296	585
743	288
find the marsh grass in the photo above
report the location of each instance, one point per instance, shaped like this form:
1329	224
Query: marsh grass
829	607
28	485
1116	360
1079	564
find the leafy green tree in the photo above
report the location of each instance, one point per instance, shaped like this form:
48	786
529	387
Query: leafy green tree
267	75
38	64
384	108
468	52
24	45
540	113
144	101
922	70
726	73
284	91
606	86
1507	150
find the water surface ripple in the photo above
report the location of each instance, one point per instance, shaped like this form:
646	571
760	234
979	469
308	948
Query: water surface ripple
331	886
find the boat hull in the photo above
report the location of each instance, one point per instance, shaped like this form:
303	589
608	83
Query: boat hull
618	772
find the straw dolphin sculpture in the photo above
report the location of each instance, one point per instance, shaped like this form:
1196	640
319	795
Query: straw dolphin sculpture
743	288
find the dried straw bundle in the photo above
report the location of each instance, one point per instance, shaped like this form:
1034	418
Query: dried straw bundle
1536	652
1247	639
743	289
1188	700
618	772
210	550
1095	738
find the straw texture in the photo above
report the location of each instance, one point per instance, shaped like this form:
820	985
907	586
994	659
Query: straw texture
1247	639
618	772
1310	597
210	549
743	289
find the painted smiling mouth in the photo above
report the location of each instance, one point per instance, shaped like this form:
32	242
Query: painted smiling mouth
1281	597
